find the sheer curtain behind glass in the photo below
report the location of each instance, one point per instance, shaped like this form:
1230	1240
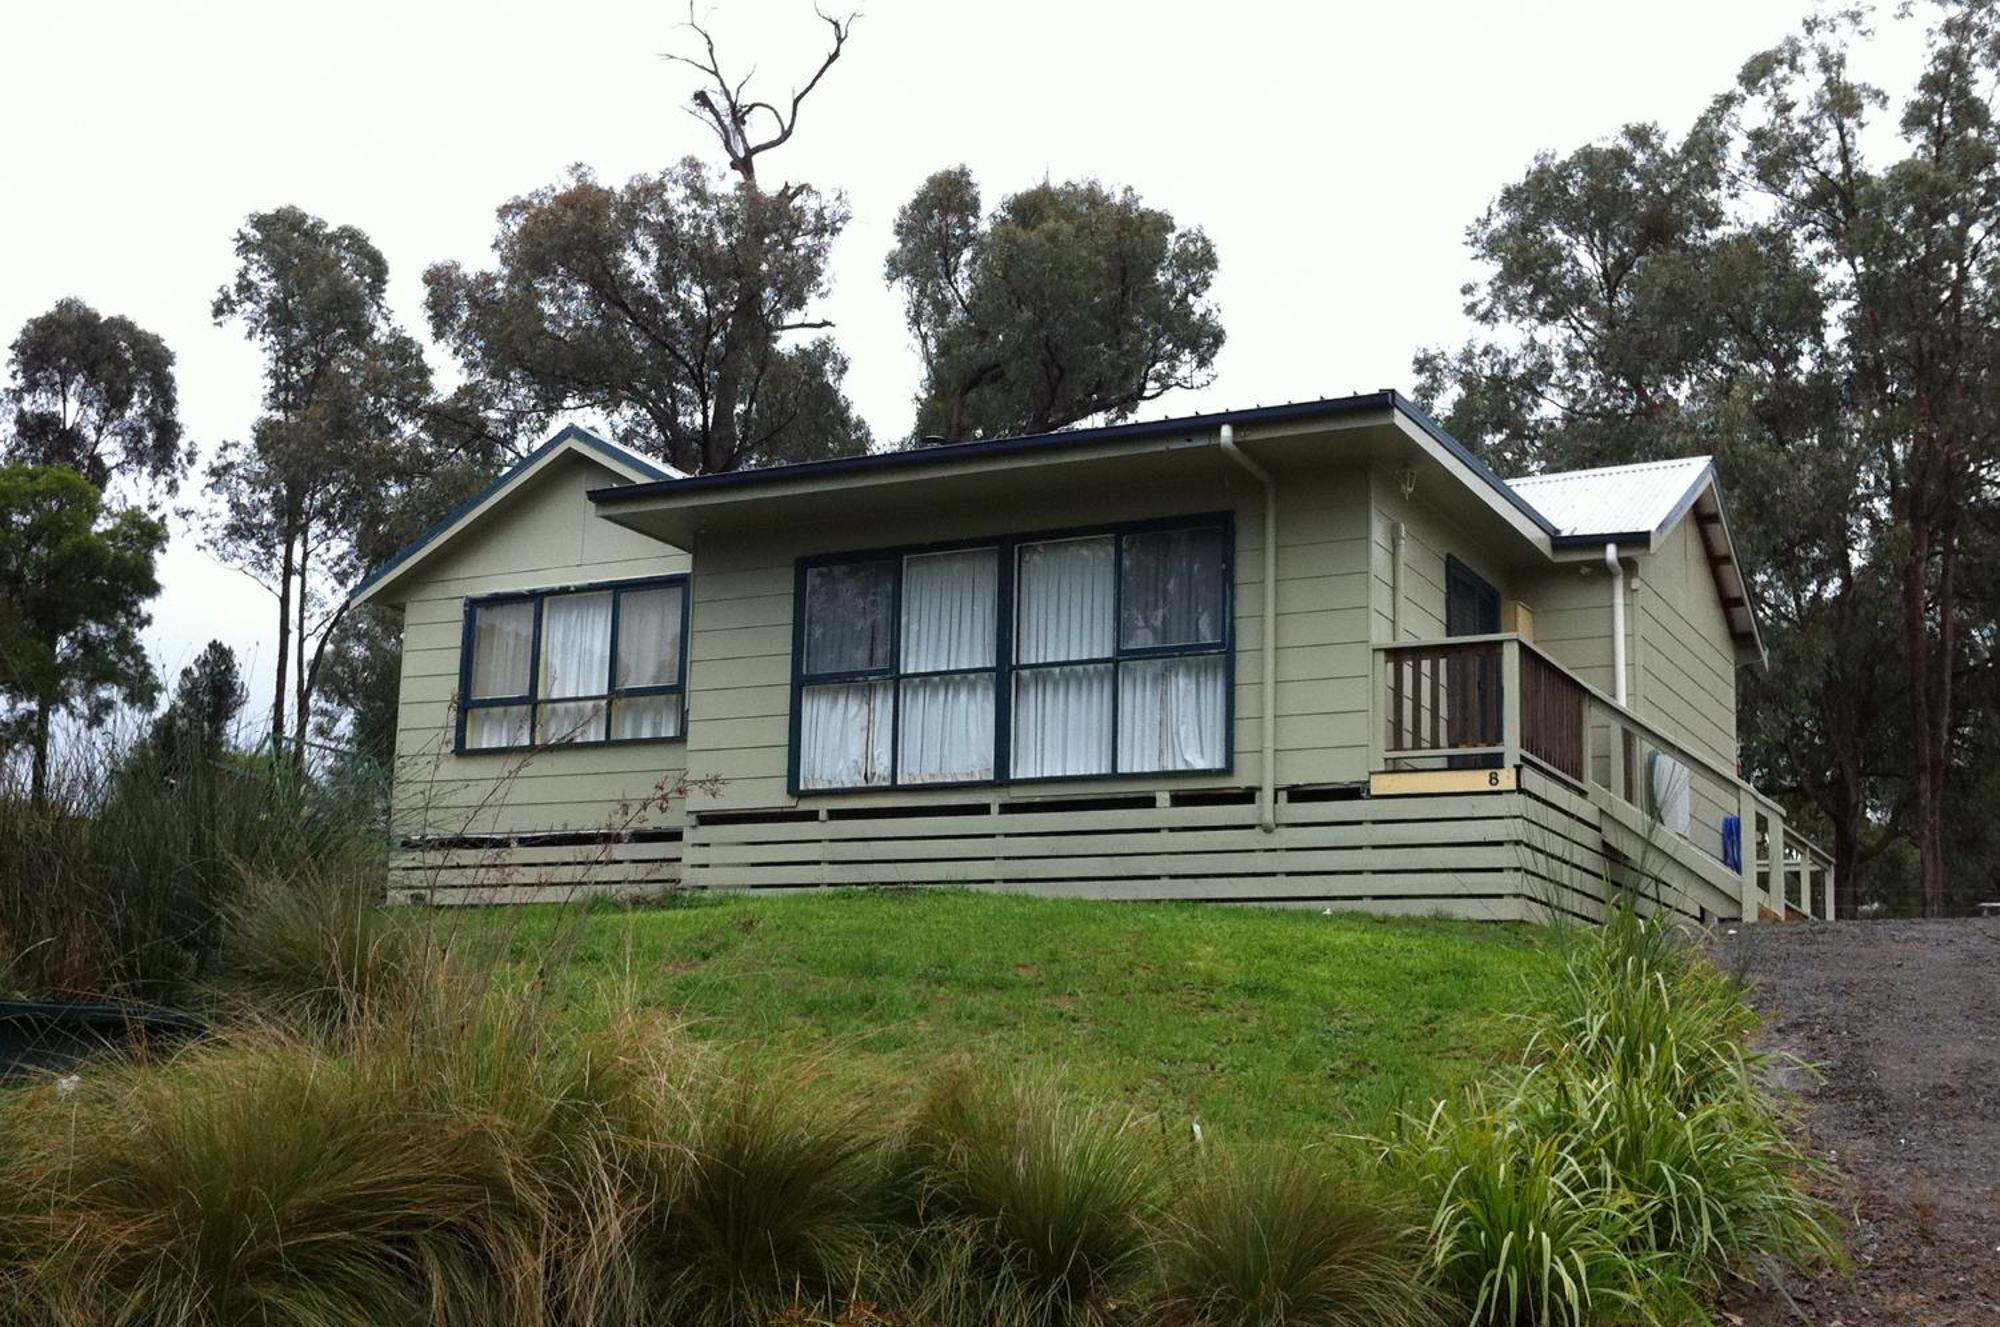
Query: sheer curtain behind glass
576	661
1063	715
1172	712
649	655
503	639
845	726
950	614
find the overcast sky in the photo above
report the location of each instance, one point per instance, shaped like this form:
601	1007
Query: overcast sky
1334	152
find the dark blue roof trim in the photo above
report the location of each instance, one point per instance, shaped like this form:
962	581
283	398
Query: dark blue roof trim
919	457
570	433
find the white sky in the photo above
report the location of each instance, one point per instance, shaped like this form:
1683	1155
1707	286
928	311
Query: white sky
1334	152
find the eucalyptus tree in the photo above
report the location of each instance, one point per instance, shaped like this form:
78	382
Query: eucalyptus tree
678	305
344	391
96	394
1069	302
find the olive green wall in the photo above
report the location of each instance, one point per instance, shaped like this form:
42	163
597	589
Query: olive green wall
545	535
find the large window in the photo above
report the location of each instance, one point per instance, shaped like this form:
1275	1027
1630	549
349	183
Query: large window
598	663
1032	658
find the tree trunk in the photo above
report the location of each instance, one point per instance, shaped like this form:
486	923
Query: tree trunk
1846	866
1930	721
284	647
302	686
38	773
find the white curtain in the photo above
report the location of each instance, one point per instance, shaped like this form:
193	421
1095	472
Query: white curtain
1670	785
950	616
1065	592
488	726
649	637
576	661
645	716
1171	714
844	735
1062	716
1062	721
945	729
949	610
503	642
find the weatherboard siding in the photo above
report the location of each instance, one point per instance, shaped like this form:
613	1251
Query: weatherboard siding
740	667
1533	853
1429	538
544	536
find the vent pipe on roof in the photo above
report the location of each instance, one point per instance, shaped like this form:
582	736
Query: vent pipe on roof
1267	649
1617	622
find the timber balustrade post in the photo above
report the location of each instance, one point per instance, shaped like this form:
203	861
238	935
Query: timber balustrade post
1510	702
1746	850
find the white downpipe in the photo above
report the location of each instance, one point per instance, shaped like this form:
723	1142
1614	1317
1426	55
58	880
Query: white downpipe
1617	622
1267	798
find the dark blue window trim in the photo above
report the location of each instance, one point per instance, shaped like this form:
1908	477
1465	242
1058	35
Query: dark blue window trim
1007	551
530	698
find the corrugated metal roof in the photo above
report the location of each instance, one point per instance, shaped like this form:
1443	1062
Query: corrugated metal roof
1616	499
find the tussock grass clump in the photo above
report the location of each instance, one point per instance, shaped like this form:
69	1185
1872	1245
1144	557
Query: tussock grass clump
317	949
771	1197
1050	1201
1280	1237
264	1182
119	884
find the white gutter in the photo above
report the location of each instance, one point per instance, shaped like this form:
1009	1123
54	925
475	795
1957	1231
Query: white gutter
1617	623
1267	798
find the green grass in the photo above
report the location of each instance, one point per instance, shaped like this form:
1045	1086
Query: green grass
1250	1022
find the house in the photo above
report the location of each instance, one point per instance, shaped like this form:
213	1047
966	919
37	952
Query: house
1312	655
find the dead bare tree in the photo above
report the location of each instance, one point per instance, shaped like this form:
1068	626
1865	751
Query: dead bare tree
727	108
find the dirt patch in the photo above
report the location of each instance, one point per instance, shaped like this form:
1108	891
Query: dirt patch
1903	1021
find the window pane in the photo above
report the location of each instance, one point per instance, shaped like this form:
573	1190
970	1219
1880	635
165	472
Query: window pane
576	644
848	625
1065	591
949	610
649	637
1062	721
489	726
1171	713
844	735
570	721
1172	590
945	729
1668	787
646	716
503	642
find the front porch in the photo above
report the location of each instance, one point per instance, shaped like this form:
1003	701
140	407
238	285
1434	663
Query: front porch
1476	712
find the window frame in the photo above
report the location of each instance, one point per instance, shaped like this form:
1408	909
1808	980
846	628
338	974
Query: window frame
1007	609
532	697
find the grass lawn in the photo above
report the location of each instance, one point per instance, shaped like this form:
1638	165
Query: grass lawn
1250	1021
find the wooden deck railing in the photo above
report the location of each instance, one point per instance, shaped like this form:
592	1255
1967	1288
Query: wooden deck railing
1445	698
1496	700
1552	714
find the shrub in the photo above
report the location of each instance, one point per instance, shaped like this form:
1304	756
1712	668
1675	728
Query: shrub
262	1181
763	1188
118	884
319	948
1635	1165
1523	1229
1034	1190
1273	1237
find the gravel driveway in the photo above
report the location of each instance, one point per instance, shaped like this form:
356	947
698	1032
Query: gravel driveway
1903	1021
